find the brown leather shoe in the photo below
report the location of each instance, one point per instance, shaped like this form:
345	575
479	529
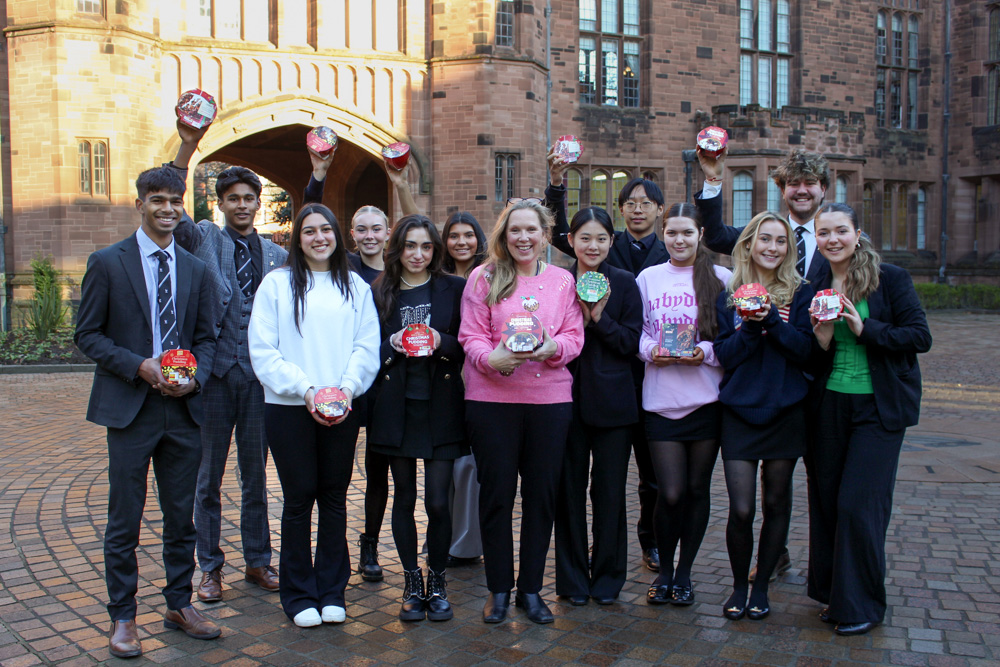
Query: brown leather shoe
210	588
192	622
124	640
266	577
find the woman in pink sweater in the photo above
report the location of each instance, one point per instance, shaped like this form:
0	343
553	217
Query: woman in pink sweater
518	404
680	395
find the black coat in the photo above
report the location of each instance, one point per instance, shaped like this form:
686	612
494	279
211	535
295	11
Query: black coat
894	332
602	374
447	402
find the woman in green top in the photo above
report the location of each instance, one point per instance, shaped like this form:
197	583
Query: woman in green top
868	391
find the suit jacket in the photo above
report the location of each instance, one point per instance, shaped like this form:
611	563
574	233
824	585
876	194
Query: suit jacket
894	332
604	366
114	328
215	247
721	238
447	403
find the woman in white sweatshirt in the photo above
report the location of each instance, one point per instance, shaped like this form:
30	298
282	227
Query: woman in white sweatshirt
313	325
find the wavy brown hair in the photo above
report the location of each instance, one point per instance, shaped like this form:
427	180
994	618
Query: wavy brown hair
786	279
865	265
386	287
500	270
707	285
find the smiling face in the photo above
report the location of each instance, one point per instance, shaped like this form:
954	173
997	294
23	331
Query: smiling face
591	244
418	250
836	237
640	213
525	237
461	242
803	197
770	247
318	241
681	236
161	211
239	205
370	234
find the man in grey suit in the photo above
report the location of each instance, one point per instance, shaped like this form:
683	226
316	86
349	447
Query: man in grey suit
238	259
140	297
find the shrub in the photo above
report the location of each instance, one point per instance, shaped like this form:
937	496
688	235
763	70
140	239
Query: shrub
935	296
45	312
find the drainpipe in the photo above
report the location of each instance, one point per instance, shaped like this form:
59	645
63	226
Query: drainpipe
945	174
548	95
5	322
689	156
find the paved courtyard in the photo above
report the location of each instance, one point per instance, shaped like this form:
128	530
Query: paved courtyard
943	567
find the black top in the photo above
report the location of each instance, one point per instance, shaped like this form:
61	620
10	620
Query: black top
256	254
415	308
367	273
313	194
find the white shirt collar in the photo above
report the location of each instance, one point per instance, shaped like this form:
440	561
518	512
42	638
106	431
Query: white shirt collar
147	246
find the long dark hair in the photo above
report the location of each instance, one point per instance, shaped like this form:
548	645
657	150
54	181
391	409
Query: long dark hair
707	285
385	289
592	214
298	268
464	218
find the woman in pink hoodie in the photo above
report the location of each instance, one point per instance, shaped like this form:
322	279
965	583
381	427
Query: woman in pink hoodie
680	395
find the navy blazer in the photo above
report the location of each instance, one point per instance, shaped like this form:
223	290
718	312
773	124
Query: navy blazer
721	238
894	333
114	329
447	402
604	367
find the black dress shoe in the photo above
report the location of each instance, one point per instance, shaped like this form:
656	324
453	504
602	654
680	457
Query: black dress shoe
848	629
534	607
651	559
734	611
458	561
577	600
495	610
682	596
825	616
658	594
758	613
604	599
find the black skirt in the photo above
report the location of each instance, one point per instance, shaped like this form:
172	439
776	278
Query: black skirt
783	438
418	442
702	424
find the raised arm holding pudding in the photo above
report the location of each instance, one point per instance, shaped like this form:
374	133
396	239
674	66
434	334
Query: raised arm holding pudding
518	404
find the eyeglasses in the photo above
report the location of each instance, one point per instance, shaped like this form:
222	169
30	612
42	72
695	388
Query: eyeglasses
645	205
518	200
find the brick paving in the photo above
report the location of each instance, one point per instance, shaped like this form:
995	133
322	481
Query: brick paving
943	559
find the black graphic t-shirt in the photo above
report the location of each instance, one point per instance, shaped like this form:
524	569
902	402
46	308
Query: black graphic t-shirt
415	308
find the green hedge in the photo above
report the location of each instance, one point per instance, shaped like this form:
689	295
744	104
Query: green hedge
937	296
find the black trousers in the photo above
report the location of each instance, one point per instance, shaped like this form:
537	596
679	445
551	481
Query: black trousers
511	439
852	464
164	433
314	464
608	448
647	479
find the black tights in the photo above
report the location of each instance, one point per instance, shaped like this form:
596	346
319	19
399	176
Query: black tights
741	481
683	503
437	482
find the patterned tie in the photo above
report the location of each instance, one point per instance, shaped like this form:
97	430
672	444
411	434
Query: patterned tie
244	270
800	248
165	299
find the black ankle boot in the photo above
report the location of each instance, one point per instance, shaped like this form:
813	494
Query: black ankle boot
438	607
414	606
368	566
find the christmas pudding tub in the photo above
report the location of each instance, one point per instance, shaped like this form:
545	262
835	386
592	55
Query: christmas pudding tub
196	108
178	367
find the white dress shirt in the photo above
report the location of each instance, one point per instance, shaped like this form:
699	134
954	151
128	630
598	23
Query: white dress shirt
151	269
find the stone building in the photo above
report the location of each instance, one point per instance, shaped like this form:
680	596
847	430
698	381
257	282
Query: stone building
910	128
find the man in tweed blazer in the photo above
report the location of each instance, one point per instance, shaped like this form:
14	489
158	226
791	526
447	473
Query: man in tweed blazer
238	259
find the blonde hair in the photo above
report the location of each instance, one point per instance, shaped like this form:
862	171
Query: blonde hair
370	209
500	269
863	270
786	279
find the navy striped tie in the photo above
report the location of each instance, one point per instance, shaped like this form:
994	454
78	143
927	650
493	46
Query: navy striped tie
244	270
800	248
165	302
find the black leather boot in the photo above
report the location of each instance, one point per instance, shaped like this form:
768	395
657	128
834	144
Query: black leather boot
368	566
414	606
438	607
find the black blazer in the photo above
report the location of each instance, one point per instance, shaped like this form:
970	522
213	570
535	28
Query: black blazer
447	404
604	368
113	328
895	331
721	238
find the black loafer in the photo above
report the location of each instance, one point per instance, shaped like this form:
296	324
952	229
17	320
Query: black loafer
848	629
682	596
758	613
577	600
735	607
604	599
495	610
651	559
658	594
534	607
825	616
